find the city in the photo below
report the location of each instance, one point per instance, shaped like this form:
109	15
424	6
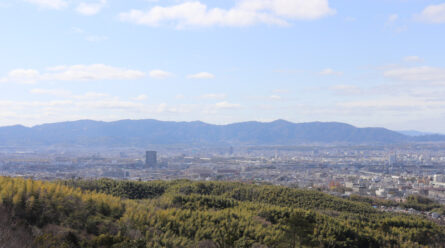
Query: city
388	172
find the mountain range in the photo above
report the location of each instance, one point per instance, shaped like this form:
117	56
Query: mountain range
148	132
415	133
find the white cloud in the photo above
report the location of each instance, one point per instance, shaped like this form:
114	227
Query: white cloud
77	30
214	96
293	9
94	72
329	71
91	8
201	75
141	97
160	74
420	73
275	97
73	73
89	37
227	105
91	95
245	13
392	18
282	91
26	76
91	105
17	105
109	104
391	23
433	14
412	59
395	104
94	96
50	4
166	109
343	89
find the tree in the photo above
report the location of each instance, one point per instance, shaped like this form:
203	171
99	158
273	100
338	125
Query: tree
299	229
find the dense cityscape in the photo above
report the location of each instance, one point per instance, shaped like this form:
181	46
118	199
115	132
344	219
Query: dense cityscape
388	172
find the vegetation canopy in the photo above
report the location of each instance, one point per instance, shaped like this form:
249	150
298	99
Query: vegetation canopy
108	213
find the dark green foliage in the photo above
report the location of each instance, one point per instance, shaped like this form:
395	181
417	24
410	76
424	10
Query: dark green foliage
420	203
199	202
124	189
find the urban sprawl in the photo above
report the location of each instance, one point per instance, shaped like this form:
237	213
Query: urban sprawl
387	171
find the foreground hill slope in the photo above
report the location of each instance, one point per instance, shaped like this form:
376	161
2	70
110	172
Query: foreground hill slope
107	213
146	132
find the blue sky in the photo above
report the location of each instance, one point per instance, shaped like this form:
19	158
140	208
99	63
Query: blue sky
367	63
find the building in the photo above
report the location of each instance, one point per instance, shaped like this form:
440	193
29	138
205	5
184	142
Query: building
151	159
392	159
439	178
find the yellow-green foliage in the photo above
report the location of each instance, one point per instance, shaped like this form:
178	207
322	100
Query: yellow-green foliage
107	213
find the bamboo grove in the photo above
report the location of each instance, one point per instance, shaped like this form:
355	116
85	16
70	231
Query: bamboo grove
108	213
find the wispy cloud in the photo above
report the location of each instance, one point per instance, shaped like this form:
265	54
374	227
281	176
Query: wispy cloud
73	73
88	36
77	30
393	24
392	18
281	91
432	14
160	74
84	8
141	97
87	8
201	75
50	4
344	89
227	105
419	73
275	97
412	59
245	13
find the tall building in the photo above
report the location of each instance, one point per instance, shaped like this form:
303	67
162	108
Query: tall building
151	159
392	159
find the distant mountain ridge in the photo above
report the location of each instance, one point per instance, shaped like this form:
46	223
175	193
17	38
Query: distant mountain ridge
415	133
146	132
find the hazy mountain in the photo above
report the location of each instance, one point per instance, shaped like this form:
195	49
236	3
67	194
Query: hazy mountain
415	133
145	132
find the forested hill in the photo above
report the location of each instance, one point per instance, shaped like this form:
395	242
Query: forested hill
107	213
146	132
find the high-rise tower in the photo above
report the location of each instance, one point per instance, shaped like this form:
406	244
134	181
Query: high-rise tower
151	159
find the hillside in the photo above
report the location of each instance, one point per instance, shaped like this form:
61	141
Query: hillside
146	132
107	213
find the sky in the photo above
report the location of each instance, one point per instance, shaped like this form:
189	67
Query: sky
366	63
